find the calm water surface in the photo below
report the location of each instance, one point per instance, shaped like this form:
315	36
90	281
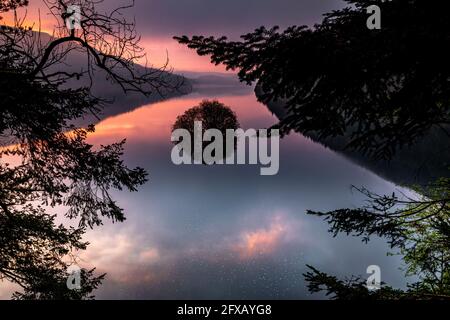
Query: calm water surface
225	231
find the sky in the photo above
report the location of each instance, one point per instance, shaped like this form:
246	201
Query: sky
159	20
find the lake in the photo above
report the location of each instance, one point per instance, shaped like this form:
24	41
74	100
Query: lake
226	232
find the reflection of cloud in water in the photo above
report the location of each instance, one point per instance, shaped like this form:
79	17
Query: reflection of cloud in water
113	128
144	265
118	253
122	256
263	241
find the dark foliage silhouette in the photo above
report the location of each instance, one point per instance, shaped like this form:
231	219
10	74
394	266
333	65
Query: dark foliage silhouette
213	115
387	87
384	90
416	228
45	160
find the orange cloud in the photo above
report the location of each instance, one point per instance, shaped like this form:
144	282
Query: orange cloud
262	241
36	16
178	57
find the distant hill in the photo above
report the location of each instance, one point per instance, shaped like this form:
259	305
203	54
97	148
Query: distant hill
102	87
216	84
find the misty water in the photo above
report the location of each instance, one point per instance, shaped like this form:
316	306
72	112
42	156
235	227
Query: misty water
225	231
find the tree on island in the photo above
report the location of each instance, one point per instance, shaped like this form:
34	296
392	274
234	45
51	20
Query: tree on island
385	89
213	115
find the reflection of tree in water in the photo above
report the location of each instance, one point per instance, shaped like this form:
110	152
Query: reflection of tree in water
213	115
